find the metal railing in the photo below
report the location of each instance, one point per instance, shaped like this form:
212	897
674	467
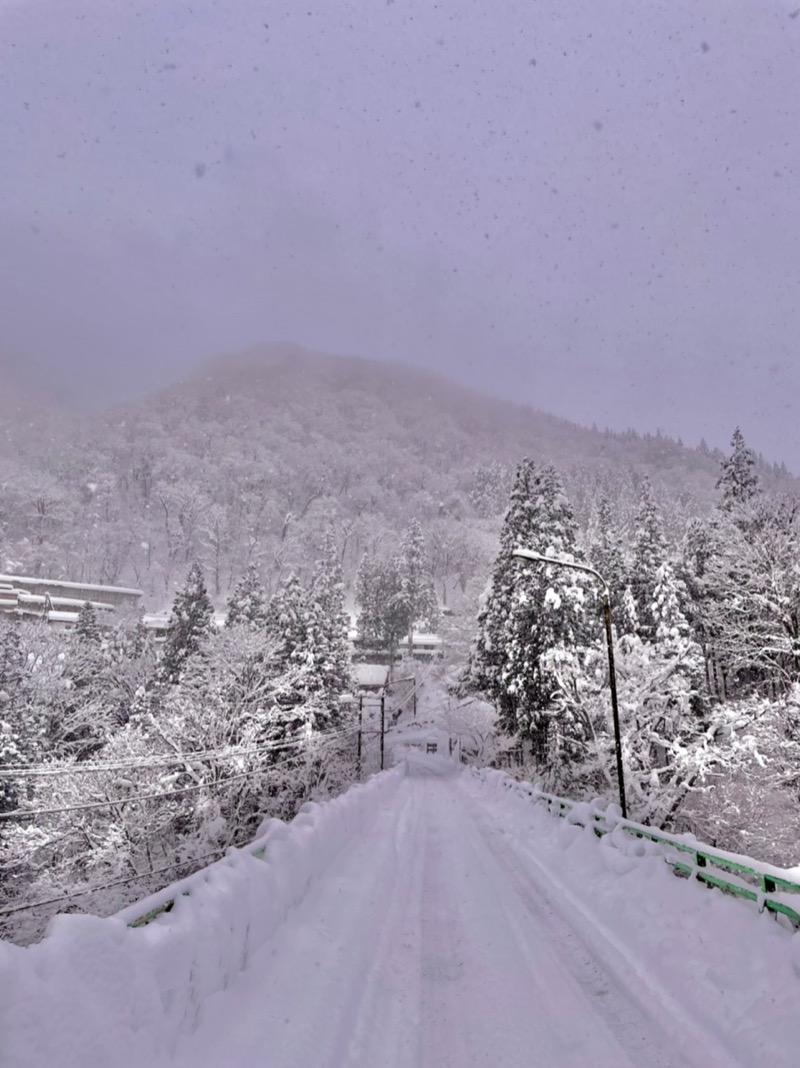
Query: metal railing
767	886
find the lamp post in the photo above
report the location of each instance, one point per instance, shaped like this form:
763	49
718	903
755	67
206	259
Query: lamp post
527	554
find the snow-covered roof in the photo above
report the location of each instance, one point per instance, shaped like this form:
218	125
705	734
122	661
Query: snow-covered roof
370	676
45	583
423	639
62	617
40	599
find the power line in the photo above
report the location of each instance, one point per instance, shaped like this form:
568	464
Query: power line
84	767
8	911
121	801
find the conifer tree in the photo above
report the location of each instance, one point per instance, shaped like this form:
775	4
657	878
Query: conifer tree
671	625
190	624
329	621
683	683
529	610
247	603
606	553
649	551
416	595
548	612
738	480
383	615
496	617
627	618
87	628
87	658
287	620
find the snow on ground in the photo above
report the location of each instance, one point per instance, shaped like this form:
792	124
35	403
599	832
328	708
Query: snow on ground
418	949
724	975
447	923
97	993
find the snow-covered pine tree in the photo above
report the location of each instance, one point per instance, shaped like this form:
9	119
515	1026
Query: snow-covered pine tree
382	610
738	480
417	594
606	554
671	625
367	603
84	723
627	618
190	624
287	619
549	618
649	551
495	618
329	625
530	610
247	603
87	627
675	640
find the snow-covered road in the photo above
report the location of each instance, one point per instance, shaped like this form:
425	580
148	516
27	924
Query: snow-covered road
432	942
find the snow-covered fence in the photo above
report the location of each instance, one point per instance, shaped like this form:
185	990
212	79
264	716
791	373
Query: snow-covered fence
771	888
120	990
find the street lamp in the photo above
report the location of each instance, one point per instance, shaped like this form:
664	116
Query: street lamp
527	554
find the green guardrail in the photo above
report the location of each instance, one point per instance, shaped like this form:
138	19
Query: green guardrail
752	882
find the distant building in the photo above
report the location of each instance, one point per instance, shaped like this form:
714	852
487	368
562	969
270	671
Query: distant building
157	626
371	651
424	646
59	602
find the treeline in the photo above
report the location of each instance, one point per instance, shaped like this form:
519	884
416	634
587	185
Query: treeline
707	643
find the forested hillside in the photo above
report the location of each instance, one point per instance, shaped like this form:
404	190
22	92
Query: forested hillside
252	460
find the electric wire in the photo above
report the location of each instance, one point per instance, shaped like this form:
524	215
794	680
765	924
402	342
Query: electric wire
136	798
23	771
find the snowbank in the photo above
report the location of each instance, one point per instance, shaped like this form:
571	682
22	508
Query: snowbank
709	960
99	992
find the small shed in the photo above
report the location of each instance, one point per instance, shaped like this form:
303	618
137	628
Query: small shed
370	677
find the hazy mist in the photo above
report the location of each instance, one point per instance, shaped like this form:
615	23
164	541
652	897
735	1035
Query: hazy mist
589	207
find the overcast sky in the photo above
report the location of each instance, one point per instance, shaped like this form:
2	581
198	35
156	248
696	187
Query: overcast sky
589	205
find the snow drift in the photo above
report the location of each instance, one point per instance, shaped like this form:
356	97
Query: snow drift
96	991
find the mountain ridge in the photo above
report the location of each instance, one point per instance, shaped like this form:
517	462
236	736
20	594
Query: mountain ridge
252	458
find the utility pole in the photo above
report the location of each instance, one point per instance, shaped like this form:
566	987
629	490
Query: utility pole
360	720
383	725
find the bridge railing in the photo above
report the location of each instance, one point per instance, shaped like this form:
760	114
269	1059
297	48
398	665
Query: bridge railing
771	888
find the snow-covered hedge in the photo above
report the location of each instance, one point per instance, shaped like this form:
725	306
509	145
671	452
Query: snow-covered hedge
100	992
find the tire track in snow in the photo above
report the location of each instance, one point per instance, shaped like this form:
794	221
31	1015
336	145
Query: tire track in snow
496	992
598	962
381	1025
